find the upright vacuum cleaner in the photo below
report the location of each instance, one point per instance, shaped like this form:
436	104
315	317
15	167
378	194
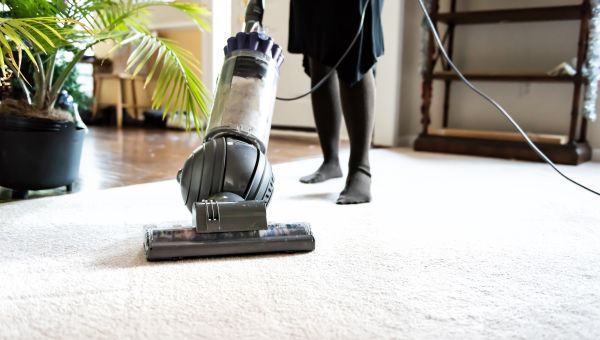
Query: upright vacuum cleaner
227	182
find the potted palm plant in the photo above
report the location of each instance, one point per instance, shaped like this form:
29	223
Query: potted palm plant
41	41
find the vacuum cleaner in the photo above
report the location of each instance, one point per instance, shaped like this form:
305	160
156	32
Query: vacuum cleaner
227	182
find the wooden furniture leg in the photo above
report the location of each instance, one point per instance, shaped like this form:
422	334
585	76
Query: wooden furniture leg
581	55
134	99
427	85
448	83
97	91
119	104
584	54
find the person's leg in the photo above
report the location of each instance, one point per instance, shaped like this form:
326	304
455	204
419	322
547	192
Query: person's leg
358	103
328	116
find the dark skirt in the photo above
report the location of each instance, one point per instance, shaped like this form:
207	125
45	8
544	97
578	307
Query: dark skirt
323	30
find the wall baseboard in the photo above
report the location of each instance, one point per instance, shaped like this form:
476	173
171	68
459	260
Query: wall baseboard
409	140
596	155
402	141
293	128
406	141
173	26
294	133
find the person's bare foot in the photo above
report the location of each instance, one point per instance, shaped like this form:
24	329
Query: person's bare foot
358	187
325	172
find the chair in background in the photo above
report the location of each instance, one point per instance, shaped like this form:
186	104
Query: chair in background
120	101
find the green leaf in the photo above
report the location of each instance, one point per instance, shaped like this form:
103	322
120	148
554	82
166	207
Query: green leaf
18	27
8	48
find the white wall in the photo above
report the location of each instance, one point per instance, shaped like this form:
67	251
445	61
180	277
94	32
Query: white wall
534	47
389	76
220	23
292	79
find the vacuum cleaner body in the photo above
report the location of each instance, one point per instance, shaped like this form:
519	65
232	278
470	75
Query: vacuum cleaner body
227	182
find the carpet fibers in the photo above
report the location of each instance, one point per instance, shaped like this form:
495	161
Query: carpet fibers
451	247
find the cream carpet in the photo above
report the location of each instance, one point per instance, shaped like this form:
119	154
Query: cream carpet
452	247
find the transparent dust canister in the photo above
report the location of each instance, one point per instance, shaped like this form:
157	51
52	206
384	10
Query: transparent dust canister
245	97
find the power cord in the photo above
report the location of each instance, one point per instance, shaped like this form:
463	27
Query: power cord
494	103
334	68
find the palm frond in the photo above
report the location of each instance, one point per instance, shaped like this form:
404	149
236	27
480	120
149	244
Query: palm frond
29	35
195	12
177	75
134	13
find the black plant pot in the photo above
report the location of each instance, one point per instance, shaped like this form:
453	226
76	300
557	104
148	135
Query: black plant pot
38	154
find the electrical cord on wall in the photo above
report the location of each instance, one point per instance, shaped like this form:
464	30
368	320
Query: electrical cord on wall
334	68
494	103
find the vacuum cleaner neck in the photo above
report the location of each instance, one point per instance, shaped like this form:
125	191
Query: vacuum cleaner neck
254	15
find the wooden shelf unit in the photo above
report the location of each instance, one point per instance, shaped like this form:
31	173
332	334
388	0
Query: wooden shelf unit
575	150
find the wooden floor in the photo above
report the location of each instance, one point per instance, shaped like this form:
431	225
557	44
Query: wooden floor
113	158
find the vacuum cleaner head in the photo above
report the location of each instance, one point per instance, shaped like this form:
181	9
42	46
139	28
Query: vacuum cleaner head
179	243
227	228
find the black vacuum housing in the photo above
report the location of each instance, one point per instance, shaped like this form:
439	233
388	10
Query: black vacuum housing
226	165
